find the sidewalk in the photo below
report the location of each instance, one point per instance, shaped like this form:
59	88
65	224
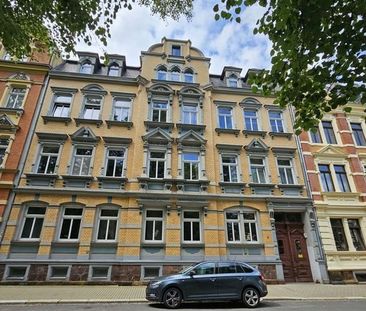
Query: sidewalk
22	294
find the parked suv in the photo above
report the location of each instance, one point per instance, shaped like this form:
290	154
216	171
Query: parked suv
208	281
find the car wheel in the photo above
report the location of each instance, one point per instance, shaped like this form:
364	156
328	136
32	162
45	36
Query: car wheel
172	298
251	297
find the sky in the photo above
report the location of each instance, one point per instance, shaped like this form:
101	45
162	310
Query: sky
226	43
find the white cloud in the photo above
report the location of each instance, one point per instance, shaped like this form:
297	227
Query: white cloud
227	43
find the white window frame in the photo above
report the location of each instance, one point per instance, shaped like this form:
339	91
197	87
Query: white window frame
175	74
191	162
285	167
236	165
241	221
7	272
188	73
159	109
231	80
178	48
159	71
34	217
86	70
157	160
5	148
93	106
55	278
190	113
63	103
108	219
251	119
191	221
277	120
72	218
226	116
334	176
264	165
95	278
91	156
48	155
17	96
115	70
125	105
115	158
154	219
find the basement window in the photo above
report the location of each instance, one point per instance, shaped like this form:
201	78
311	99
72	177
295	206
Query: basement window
17	273
151	272
361	277
100	273
59	272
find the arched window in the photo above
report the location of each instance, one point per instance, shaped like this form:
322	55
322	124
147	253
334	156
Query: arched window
86	67
232	81
175	74
113	70
162	73
188	76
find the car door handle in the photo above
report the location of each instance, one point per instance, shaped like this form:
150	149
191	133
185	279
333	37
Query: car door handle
240	279
213	279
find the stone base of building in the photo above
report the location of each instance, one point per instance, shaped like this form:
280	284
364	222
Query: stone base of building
347	277
120	274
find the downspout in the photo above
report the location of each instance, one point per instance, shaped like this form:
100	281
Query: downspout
23	156
308	187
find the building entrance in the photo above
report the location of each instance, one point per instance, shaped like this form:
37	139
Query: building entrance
292	247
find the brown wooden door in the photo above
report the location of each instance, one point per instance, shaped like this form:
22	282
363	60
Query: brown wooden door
293	252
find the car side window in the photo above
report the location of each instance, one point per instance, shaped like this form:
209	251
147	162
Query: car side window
243	269
205	268
227	267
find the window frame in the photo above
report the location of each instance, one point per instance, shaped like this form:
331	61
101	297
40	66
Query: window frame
236	164
225	116
162	69
191	221
188	73
93	105
76	147
232	81
278	120
265	169
176	50
10	93
154	219
290	166
107	157
325	136
108	219
251	119
34	217
4	147
190	113
159	109
126	105
334	177
116	70
41	154
149	159
360	141
197	162
64	104
241	221
72	217
89	65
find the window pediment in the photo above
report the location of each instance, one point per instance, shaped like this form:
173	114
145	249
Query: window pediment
94	89
84	134
157	136
330	152
257	145
7	124
52	136
191	138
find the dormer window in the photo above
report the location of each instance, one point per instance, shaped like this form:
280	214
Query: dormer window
188	76
176	51
232	81
175	74
162	72
86	67
113	70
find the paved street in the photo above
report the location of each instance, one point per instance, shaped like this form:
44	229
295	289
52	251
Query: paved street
334	305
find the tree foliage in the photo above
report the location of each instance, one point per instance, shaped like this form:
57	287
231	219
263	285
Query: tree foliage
62	23
318	54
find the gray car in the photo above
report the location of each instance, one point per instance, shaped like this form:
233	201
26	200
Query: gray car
208	281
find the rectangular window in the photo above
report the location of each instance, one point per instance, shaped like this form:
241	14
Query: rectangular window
358	134
286	171
99	272
191	165
70	224
48	159
233	226
356	234
326	178
276	121
61	105
154	225
17	272
230	168
16	97
92	107
251	120
58	272
176	50
329	132
107	227
159	111
339	236
250	227
151	272
191	227
121	109
3	147
342	178
258	170
82	161
33	222
225	118
115	162
157	164
315	135
190	113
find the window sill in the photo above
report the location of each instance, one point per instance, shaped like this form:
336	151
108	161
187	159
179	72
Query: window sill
245	245
65	243
294	186
79	121
36	179
254	133
12	111
192	245
280	134
109	182
341	197
26	242
147	183
65	120
195	127
104	243
111	123
153	244
77	181
232	187
164	125
227	131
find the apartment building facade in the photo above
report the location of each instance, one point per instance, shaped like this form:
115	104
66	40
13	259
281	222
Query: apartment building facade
335	157
138	172
21	82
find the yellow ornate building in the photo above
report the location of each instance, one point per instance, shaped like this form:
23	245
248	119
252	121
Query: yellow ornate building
136	172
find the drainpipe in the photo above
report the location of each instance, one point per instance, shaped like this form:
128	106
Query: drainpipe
23	157
308	186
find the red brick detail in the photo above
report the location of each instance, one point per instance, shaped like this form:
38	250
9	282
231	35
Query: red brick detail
37	273
342	123
304	136
124	273
171	269
309	163
79	273
269	272
314	182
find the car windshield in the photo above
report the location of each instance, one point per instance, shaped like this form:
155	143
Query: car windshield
186	269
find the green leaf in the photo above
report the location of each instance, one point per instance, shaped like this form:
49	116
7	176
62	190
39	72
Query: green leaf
216	8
